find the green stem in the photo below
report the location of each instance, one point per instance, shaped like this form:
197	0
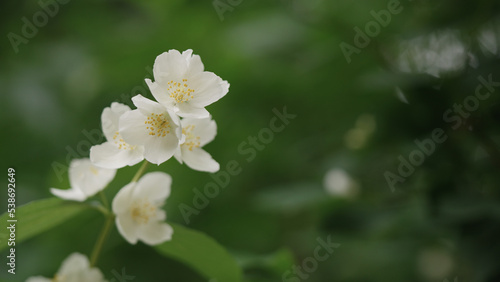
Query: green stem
104	199
101	239
141	170
109	218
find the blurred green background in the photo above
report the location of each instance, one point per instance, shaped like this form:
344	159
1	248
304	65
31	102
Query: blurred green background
441	224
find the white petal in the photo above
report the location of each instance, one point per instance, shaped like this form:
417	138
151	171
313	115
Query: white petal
94	275
205	128
156	233
128	228
88	178
160	93
75	263
188	110
169	65
109	119
154	186
178	155
147	106
195	65
159	149
187	54
132	127
38	279
123	199
72	194
77	268
199	159
208	88
121	208
108	155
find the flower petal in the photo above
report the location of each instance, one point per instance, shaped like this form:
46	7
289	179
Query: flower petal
178	155
88	178
205	128
128	228
169	65
123	199
147	106
188	110
75	263
121	207
208	88
199	159
156	233
159	149
107	155
194	62
109	119
160	94
154	186
132	127
72	194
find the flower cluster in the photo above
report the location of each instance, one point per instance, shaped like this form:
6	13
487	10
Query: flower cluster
155	131
175	125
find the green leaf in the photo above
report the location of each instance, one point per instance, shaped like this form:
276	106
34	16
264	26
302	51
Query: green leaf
202	253
38	216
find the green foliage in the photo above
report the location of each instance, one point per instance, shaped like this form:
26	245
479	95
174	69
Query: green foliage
202	253
39	216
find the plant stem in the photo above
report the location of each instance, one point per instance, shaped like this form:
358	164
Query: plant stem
101	239
141	170
104	199
109	218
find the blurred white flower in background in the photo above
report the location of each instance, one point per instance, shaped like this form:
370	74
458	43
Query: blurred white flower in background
85	180
357	137
115	153
435	54
338	183
75	268
434	264
138	209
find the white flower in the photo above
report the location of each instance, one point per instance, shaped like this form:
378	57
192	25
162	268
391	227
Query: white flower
115	153
138	209
85	180
197	133
152	126
75	268
339	184
182	84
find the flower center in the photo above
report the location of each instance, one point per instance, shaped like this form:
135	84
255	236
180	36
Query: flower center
142	211
180	91
118	140
192	141
158	125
